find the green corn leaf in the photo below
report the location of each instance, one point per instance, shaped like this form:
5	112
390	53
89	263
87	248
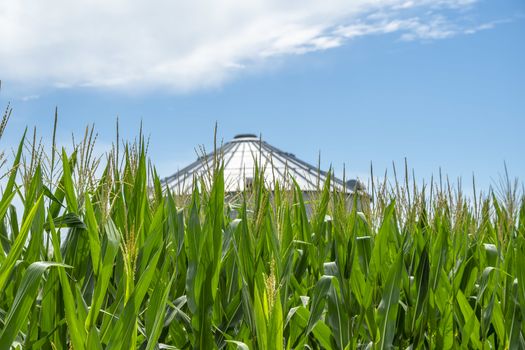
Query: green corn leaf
16	250
387	310
318	301
515	320
471	327
123	332
67	179
337	315
260	315
67	220
422	280
76	331
240	345
25	297
157	309
93	235
276	324
105	272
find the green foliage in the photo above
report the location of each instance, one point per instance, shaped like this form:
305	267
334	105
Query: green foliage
118	263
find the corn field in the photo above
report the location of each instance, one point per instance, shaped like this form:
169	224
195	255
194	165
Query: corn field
111	260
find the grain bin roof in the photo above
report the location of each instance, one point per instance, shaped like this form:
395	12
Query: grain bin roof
240	156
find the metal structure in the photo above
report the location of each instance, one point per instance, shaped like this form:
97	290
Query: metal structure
240	157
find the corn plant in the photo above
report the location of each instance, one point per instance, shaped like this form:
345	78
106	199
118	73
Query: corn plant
116	261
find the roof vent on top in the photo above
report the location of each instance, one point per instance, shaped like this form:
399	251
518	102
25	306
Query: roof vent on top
245	136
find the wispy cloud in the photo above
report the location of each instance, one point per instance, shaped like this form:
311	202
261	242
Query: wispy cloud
30	98
122	44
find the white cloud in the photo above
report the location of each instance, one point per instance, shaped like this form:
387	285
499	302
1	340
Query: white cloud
30	98
132	44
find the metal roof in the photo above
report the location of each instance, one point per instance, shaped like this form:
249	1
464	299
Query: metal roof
240	156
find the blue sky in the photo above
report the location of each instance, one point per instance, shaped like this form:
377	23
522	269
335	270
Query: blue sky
441	82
